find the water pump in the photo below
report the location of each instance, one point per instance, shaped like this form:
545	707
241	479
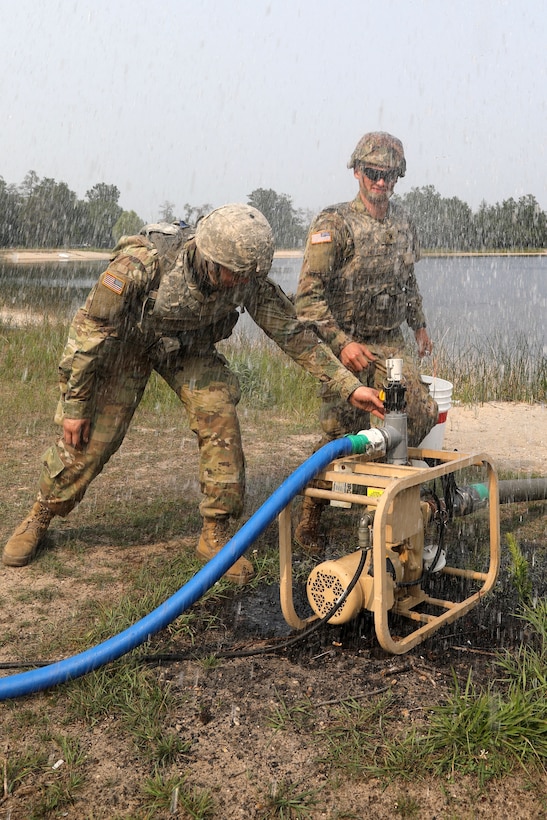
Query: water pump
405	505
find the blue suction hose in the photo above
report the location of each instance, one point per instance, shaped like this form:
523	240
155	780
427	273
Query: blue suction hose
36	680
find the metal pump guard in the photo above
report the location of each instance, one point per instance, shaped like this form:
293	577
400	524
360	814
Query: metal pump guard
392	480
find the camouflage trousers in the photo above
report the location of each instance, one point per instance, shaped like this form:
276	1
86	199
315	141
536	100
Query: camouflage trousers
209	392
339	418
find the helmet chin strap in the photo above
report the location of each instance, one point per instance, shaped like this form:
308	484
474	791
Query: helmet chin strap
207	271
213	271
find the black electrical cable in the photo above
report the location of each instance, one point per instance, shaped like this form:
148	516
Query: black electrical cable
441	529
25	664
448	483
179	656
263	650
441	526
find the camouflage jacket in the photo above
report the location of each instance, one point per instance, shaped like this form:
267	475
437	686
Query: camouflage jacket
357	279
140	299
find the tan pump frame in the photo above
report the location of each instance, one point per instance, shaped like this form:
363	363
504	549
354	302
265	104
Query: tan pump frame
392	480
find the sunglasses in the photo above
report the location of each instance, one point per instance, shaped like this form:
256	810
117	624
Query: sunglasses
374	174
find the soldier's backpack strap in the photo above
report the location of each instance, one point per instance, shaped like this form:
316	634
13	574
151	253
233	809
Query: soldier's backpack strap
168	238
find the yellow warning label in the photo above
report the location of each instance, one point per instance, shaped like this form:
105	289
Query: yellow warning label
374	492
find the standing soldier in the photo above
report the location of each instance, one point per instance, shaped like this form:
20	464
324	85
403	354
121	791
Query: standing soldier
167	297
357	287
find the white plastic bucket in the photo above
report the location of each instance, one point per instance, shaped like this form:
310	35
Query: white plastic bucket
441	391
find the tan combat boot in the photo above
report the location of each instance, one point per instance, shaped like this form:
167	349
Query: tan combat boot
21	547
307	531
214	536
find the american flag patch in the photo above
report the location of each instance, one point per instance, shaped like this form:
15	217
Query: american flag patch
321	236
112	282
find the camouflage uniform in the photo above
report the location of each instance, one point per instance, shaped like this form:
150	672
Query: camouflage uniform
357	284
151	310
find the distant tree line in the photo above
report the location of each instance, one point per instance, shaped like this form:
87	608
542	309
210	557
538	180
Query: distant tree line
289	225
450	224
44	213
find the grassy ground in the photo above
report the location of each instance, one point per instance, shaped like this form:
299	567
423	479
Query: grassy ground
329	727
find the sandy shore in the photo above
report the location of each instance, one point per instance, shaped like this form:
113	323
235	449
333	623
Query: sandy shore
46	255
56	255
296	254
513	434
52	255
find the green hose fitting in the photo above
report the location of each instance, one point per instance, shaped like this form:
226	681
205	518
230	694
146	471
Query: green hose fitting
359	444
481	490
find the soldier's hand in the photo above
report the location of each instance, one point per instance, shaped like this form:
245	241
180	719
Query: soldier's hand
367	399
356	356
76	432
425	345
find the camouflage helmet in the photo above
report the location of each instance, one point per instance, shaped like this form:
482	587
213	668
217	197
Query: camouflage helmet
381	149
238	237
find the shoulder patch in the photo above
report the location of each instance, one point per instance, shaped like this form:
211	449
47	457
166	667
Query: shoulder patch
320	237
113	283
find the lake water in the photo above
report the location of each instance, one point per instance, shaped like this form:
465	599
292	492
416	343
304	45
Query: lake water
57	288
469	300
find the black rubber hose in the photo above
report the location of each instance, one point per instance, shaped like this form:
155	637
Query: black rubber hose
522	489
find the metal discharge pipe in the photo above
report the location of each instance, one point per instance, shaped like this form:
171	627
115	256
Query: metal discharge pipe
522	489
374	442
475	496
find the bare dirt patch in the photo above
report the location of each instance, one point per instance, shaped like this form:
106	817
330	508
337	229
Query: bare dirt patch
223	712
514	435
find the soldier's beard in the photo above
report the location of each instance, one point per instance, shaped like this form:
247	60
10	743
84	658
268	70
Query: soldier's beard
379	197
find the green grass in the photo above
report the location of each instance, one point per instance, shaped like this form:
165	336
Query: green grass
497	371
487	733
174	795
350	737
519	570
291	717
526	670
62	780
141	705
484	733
481	733
269	379
287	800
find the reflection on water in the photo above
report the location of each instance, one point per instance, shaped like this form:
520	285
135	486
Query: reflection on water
51	288
467	299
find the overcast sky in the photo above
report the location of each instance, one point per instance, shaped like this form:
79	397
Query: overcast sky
205	100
